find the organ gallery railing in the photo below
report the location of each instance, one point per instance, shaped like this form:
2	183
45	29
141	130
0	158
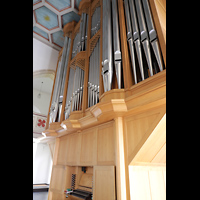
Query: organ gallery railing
92	60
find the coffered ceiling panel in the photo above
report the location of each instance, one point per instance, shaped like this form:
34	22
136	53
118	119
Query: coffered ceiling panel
60	4
58	38
40	32
49	18
46	18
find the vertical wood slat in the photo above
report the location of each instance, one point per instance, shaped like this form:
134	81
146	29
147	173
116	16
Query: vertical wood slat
158	9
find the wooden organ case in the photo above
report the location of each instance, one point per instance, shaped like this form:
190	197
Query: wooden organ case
108	106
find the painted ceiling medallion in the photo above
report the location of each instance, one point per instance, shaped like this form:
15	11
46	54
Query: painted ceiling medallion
47	18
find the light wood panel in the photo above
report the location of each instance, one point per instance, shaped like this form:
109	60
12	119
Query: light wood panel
105	144
68	149
73	149
86	180
104	183
89	147
58	179
62	151
160	157
147	183
139	127
93	146
157	183
153	150
57	196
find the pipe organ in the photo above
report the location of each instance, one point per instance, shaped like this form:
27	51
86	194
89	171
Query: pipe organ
111	69
143	47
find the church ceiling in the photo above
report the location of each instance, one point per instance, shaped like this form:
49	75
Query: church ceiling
49	18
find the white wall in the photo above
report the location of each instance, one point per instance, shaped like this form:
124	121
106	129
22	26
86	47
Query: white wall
42	164
44	56
43	103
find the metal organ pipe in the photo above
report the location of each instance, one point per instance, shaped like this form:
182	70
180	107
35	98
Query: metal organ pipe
69	93
129	39
136	37
107	62
77	83
64	78
57	98
110	55
116	42
152	33
143	31
144	35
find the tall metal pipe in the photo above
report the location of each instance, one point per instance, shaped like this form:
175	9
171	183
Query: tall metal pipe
136	37
152	33
129	39
143	34
107	62
116	42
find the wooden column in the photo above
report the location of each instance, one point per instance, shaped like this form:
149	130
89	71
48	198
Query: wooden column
122	175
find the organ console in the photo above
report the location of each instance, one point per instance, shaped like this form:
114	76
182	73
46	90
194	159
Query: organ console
111	70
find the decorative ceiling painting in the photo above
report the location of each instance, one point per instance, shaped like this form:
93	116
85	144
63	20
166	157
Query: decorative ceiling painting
49	18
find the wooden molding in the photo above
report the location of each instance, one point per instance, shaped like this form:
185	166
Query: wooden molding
54	125
146	95
83	6
69	27
119	105
75	124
